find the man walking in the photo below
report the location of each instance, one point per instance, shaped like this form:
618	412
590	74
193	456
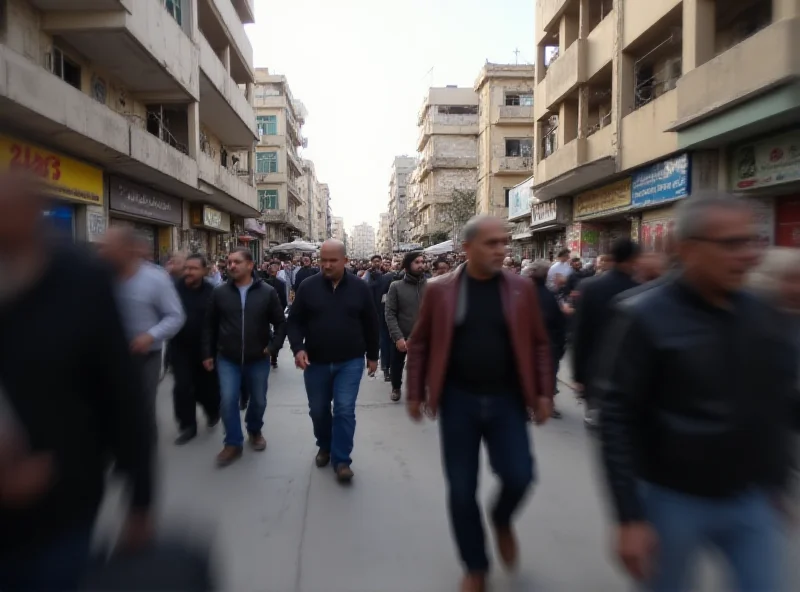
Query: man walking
379	281
402	308
280	287
305	272
193	383
332	326
592	317
150	307
698	397
479	358
238	334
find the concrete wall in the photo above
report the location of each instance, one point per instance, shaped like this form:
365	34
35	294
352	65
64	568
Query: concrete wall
451	147
656	116
641	16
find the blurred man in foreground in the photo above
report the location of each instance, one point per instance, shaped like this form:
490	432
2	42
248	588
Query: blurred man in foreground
698	393
73	400
479	357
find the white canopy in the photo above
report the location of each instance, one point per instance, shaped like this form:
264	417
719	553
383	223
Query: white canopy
440	249
295	246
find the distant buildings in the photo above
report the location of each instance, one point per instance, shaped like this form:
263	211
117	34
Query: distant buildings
337	228
384	238
362	244
402	168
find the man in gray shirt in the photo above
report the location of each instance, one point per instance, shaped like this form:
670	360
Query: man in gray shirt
148	302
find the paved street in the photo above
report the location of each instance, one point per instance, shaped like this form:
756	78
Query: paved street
282	525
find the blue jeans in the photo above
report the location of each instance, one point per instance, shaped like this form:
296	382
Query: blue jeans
745	528
501	420
255	376
337	383
57	566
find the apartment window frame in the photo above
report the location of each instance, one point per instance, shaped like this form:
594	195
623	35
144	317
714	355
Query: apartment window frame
65	67
521	151
267	125
507	192
518	99
266	162
175	9
268	199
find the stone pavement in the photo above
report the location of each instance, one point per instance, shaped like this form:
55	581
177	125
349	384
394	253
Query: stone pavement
282	525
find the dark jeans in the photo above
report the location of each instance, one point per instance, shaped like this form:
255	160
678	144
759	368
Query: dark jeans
194	385
255	378
149	367
398	364
386	345
57	566
337	384
500	420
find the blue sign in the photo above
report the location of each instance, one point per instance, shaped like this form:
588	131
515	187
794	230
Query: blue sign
663	181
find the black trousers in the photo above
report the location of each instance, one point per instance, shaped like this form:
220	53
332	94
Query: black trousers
194	385
398	365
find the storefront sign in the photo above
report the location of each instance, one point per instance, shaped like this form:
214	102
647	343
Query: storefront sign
657	235
605	200
550	213
66	178
590	242
663	181
765	163
95	223
519	199
211	219
132	198
521	231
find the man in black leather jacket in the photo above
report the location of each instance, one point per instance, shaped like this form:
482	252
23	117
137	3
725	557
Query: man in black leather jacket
698	397
238	340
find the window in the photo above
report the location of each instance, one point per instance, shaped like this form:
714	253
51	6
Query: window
267	199
458	109
267	125
174	8
519	100
507	191
266	162
66	69
519	147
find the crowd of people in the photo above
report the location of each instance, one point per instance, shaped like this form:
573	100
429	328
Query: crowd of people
687	363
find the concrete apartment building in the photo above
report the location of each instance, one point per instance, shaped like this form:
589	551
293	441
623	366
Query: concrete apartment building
505	138
641	104
278	167
337	229
313	212
135	113
402	168
362	241
448	158
383	240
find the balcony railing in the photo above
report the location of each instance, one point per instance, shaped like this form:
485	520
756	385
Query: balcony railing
516	164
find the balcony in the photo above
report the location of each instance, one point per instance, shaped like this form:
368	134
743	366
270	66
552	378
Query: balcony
600	44
640	17
515	114
223	187
547	14
454	125
754	66
270	102
295	160
565	74
294	189
219	22
223	107
282	217
246	10
657	115
270	178
578	164
82	5
540	112
143	47
514	165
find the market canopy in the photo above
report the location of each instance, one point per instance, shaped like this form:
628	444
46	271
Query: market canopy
294	247
439	249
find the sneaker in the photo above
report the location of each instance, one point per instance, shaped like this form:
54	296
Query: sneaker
257	441
386	376
556	414
185	437
344	474
229	455
323	458
591	417
395	395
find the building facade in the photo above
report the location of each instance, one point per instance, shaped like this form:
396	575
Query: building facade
160	138
402	168
505	139
383	241
337	228
448	159
278	167
640	105
362	242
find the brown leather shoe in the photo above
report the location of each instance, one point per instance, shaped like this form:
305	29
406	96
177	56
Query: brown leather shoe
344	474
474	582
257	442
506	545
229	455
323	458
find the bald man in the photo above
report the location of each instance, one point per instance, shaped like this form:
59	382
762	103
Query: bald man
333	326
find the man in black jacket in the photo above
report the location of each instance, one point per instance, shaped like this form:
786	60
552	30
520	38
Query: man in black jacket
379	281
280	287
332	326
306	271
238	332
699	393
593	315
73	401
193	383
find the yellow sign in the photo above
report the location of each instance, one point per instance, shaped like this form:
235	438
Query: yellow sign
605	199
66	177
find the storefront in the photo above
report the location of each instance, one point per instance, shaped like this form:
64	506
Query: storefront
75	211
768	172
549	221
600	216
217	225
253	238
152	213
519	211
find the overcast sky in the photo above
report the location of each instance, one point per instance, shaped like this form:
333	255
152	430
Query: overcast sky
362	67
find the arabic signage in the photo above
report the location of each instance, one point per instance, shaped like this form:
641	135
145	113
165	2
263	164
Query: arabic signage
519	199
765	163
65	177
664	181
550	213
605	200
137	200
211	219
